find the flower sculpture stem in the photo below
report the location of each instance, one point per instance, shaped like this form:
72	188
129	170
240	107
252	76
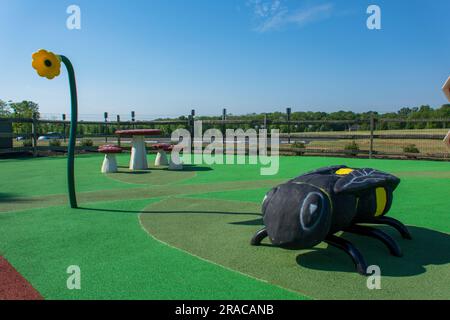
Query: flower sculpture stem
48	65
73	132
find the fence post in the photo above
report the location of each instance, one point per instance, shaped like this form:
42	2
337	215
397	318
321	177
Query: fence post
265	128
6	134
288	112
118	128
34	132
372	128
105	115
224	126
191	127
64	126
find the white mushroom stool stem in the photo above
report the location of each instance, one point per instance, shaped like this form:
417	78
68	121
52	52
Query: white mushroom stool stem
138	160
109	163
175	161
161	158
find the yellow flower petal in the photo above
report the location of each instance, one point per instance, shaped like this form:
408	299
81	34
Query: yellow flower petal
46	63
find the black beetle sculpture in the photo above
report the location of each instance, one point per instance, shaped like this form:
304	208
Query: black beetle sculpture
311	208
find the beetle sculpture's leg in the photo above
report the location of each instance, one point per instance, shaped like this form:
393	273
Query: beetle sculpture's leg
258	237
393	247
400	227
351	250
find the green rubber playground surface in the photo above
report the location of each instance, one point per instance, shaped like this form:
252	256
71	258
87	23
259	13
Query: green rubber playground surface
185	235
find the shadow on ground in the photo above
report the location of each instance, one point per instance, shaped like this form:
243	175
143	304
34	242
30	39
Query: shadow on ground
10	197
427	248
186	167
253	222
169	211
191	167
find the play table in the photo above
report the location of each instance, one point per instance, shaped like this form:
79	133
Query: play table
138	160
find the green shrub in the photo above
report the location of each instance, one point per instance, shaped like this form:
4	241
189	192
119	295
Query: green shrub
299	145
352	146
27	143
54	143
87	143
411	148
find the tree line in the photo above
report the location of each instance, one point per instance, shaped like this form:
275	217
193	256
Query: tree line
26	109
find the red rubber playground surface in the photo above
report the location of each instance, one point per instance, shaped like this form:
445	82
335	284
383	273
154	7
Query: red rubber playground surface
13	286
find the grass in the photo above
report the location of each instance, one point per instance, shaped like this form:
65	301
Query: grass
117	259
425	146
381	132
185	235
223	230
383	145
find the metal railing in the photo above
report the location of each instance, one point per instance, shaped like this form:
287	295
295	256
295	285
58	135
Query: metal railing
374	137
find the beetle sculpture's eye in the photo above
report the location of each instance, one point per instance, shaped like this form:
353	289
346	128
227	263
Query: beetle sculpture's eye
297	215
314	219
311	210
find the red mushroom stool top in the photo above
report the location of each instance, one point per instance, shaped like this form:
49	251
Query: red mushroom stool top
139	132
163	146
109	148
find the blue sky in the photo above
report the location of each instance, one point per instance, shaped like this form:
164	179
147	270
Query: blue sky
164	57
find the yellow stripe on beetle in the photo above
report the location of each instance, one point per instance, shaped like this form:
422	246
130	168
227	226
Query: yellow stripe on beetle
381	199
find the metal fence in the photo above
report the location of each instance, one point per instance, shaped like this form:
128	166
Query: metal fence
393	138
374	137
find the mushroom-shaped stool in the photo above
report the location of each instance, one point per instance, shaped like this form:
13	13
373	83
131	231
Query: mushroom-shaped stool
138	160
161	157
109	163
175	161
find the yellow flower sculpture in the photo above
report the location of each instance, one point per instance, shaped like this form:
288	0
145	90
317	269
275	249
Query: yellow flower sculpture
47	64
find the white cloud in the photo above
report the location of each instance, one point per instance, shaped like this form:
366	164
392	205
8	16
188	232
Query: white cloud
275	14
265	8
311	14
